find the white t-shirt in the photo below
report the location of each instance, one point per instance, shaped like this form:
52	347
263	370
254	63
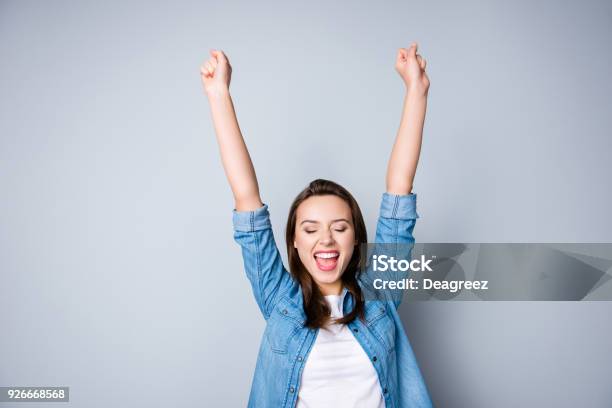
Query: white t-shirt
338	372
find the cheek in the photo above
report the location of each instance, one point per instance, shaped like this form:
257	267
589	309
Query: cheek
347	243
349	252
348	240
304	244
302	240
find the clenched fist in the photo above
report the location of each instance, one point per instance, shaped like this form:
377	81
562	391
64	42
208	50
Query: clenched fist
216	73
411	67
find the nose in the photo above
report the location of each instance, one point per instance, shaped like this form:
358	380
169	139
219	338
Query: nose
327	238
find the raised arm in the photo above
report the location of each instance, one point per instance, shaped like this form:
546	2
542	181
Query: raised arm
407	147
398	214
251	219
216	76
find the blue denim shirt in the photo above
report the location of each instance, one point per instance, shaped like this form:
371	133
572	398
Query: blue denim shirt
286	342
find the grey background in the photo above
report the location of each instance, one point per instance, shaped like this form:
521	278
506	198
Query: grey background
119	276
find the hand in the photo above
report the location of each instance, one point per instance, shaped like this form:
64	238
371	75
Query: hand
216	73
411	67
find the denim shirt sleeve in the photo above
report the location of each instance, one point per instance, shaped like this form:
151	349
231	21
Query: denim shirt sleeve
262	261
396	221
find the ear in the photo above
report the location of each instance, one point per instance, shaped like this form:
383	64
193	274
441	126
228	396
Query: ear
294	245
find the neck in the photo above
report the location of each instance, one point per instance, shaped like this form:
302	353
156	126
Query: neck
334	288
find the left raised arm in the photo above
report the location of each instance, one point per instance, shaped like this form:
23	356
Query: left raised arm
407	147
398	214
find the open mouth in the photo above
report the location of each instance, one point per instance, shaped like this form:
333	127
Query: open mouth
327	260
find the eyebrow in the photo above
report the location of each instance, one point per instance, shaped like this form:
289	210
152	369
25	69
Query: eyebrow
336	220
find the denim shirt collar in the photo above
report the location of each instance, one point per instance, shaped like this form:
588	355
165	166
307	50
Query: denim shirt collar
347	302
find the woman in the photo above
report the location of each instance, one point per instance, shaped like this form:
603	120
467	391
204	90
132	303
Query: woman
324	344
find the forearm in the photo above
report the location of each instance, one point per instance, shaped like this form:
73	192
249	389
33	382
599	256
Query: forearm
235	156
407	147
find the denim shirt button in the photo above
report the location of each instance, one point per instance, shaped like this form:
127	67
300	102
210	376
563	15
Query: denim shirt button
374	358
300	358
385	391
356	330
284	311
291	390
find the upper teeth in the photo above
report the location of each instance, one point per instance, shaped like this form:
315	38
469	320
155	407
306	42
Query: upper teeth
327	254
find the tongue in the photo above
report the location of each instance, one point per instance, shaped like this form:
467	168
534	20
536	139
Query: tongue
327	262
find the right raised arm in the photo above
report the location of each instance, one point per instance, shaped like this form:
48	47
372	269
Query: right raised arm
251	219
216	75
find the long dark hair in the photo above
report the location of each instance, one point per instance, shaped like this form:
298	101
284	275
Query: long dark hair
316	308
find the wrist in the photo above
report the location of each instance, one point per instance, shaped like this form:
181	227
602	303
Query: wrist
417	91
217	92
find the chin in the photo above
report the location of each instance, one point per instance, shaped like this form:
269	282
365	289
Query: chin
325	277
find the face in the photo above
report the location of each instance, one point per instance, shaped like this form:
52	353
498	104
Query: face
325	239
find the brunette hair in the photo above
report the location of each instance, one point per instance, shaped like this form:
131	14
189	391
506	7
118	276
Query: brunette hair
316	308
